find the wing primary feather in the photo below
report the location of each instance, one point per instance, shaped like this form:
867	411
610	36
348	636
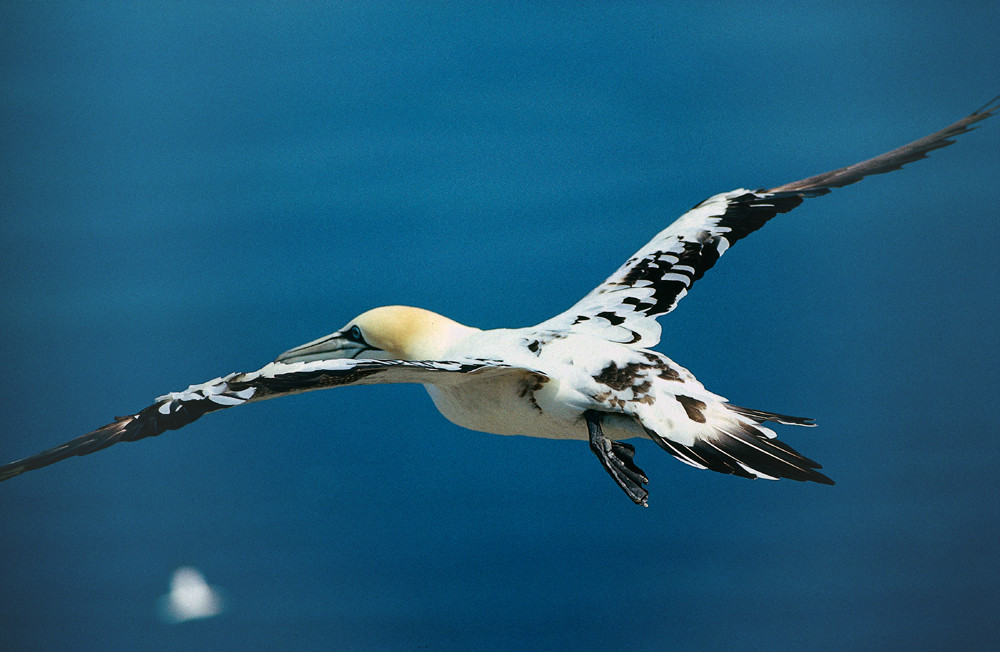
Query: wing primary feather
658	276
894	160
178	409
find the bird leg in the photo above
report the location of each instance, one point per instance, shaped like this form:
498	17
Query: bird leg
616	458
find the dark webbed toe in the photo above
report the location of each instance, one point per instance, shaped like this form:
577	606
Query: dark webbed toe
616	458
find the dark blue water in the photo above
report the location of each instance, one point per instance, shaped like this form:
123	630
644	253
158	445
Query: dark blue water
191	191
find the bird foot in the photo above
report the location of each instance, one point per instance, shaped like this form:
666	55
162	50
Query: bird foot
616	458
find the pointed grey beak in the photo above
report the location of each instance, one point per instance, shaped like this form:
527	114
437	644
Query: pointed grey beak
325	348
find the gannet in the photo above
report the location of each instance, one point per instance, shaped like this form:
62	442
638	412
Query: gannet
588	373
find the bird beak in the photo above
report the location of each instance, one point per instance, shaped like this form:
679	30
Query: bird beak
325	348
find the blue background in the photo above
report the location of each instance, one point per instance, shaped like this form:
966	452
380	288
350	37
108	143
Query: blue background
192	190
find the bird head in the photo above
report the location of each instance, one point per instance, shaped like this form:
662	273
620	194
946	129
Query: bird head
389	332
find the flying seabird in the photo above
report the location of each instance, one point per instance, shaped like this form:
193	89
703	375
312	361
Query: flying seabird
587	373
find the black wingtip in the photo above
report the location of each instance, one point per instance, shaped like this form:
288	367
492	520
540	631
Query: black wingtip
989	107
148	422
821	184
83	445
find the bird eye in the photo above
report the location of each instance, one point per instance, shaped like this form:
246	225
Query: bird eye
355	334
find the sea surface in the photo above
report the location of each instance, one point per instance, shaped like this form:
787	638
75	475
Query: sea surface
190	189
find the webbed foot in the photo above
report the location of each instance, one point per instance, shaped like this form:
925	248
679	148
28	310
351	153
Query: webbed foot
616	458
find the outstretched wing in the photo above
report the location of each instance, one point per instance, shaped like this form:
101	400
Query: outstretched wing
177	409
625	306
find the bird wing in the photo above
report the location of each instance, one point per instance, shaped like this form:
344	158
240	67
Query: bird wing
624	307
177	409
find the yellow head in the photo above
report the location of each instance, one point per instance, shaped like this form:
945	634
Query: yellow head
389	332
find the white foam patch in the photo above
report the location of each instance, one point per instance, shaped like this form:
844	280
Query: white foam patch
190	598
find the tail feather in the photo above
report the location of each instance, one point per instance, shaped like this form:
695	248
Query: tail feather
760	416
746	450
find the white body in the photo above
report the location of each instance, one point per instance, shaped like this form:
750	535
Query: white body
514	405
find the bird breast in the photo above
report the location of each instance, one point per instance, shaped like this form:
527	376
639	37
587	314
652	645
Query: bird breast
526	403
